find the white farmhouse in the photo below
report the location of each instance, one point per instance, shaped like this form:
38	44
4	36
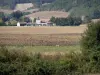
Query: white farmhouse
38	21
18	24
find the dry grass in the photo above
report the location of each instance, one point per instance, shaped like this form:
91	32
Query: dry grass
37	40
40	36
48	14
7	11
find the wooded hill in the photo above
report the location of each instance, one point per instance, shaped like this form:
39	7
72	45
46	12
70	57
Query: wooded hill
75	7
12	3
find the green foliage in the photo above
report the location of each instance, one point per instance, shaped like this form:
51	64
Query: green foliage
10	4
19	62
17	15
90	44
96	14
26	13
87	19
70	21
1	14
2	24
76	8
26	19
4	19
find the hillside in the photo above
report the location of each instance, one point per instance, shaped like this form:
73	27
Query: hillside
75	7
23	6
12	3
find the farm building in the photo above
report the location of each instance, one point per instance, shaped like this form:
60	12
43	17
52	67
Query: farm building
43	22
24	24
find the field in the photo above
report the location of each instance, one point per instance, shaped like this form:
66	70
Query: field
46	50
45	40
23	6
48	14
54	50
41	36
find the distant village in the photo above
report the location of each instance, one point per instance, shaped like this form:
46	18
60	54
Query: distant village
38	22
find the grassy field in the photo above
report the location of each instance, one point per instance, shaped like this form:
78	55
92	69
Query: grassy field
45	40
46	49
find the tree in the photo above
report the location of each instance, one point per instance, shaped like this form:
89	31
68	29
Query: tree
5	18
87	19
52	19
26	19
2	24
17	14
69	21
96	14
34	20
90	43
1	14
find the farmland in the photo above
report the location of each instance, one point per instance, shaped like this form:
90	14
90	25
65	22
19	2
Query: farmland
41	36
54	50
45	40
48	14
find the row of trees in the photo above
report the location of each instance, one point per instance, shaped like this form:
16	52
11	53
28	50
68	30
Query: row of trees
70	21
13	17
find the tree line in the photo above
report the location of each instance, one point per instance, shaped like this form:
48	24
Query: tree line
13	18
69	21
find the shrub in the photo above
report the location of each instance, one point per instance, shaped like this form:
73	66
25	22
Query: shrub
90	44
2	24
18	62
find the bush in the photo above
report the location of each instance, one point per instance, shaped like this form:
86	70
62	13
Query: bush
19	62
90	44
2	24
